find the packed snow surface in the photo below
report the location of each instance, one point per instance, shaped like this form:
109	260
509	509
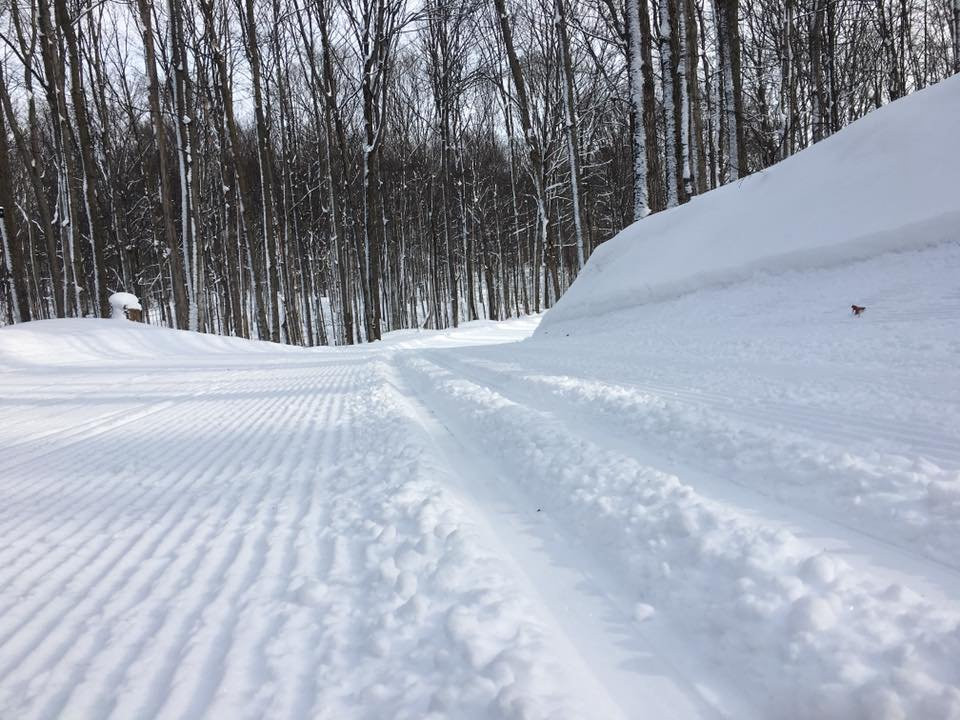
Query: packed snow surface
735	501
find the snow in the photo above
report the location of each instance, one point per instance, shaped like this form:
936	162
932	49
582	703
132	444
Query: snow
735	501
771	495
121	301
887	182
68	342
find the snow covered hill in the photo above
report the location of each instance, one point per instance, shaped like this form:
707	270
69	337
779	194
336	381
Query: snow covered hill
887	182
738	501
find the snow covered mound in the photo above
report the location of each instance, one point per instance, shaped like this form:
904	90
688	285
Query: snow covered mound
888	182
55	342
475	332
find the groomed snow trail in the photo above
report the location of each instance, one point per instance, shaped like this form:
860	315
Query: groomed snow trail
775	483
260	534
739	504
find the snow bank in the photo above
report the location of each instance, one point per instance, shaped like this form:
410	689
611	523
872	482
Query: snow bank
58	342
474	332
886	183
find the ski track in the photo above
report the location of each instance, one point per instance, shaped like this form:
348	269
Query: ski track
444	527
237	551
857	542
584	601
615	412
768	557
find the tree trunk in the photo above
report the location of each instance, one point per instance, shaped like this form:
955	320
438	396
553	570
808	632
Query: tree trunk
572	130
160	138
269	245
9	243
87	162
669	81
534	153
728	31
185	127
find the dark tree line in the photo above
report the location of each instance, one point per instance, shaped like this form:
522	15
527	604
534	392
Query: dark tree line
323	171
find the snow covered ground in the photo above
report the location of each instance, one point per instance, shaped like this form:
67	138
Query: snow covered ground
720	496
746	508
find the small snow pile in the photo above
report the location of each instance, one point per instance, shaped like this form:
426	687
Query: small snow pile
103	341
886	183
120	302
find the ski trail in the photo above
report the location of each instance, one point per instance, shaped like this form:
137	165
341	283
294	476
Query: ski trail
643	523
871	553
253	557
433	527
122	563
765	452
588	606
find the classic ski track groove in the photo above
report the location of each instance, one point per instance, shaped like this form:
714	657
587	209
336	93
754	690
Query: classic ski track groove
866	576
448	436
928	441
614	438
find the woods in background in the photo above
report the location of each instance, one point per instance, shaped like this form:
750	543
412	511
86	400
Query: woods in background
323	171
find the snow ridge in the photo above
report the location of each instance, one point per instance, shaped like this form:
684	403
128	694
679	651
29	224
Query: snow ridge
885	183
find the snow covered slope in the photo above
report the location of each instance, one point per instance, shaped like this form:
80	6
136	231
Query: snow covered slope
50	342
890	181
768	484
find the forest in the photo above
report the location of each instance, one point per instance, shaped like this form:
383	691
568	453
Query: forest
320	172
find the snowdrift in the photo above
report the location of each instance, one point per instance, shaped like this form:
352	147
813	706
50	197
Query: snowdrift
889	182
54	342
